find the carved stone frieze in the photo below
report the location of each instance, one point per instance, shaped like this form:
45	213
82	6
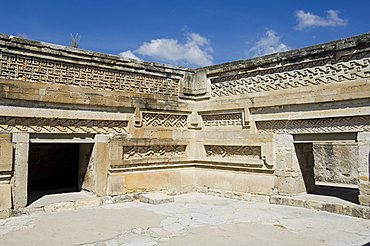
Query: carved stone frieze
222	120
346	68
164	120
324	125
233	151
153	151
57	125
34	69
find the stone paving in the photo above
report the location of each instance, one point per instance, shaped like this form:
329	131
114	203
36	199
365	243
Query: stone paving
192	219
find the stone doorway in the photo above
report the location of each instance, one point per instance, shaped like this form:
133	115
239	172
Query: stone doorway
55	168
328	164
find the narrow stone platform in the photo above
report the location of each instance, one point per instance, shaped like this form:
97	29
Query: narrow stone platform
62	197
323	203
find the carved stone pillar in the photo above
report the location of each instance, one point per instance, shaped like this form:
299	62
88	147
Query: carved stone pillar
6	168
101	163
21	148
363	139
289	179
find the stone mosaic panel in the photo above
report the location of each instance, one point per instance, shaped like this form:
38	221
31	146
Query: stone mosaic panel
165	120
34	69
325	125
222	120
153	151
232	151
346	68
57	125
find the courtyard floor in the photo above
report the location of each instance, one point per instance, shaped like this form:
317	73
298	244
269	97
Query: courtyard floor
193	219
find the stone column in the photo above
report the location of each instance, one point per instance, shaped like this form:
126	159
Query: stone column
6	168
101	163
363	139
289	179
21	147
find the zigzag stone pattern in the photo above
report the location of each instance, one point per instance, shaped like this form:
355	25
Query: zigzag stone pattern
222	120
346	68
165	120
57	125
232	151
325	125
26	68
155	151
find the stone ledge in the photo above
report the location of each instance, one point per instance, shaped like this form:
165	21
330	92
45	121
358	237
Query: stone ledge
353	210
155	198
66	206
244	196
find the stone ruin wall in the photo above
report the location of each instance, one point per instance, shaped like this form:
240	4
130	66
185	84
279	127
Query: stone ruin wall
317	91
226	128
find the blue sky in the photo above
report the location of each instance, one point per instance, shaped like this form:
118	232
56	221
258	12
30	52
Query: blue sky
186	32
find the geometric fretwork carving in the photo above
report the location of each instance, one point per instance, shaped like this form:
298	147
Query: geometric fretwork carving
19	67
153	151
57	125
222	120
165	120
233	151
323	125
345	68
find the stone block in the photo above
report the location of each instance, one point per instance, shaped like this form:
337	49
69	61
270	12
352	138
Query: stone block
295	202
4	213
366	213
285	200
364	199
116	185
333	208
354	211
101	138
121	199
260	198
364	188
95	202
106	200
148	181
155	198
20	138
27	211
314	204
5	196
6	156
289	185
60	206
278	200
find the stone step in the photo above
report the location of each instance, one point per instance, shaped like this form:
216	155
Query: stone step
313	202
155	198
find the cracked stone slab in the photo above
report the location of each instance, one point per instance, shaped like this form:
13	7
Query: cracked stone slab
155	198
192	219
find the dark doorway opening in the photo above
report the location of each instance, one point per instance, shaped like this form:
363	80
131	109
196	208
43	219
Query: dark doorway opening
54	168
306	159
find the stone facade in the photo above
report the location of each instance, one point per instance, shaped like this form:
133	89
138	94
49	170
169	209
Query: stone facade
228	128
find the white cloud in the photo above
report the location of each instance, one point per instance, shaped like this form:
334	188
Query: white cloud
268	44
307	19
195	51
129	54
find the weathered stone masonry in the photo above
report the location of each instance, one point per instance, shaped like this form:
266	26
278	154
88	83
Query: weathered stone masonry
231	128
